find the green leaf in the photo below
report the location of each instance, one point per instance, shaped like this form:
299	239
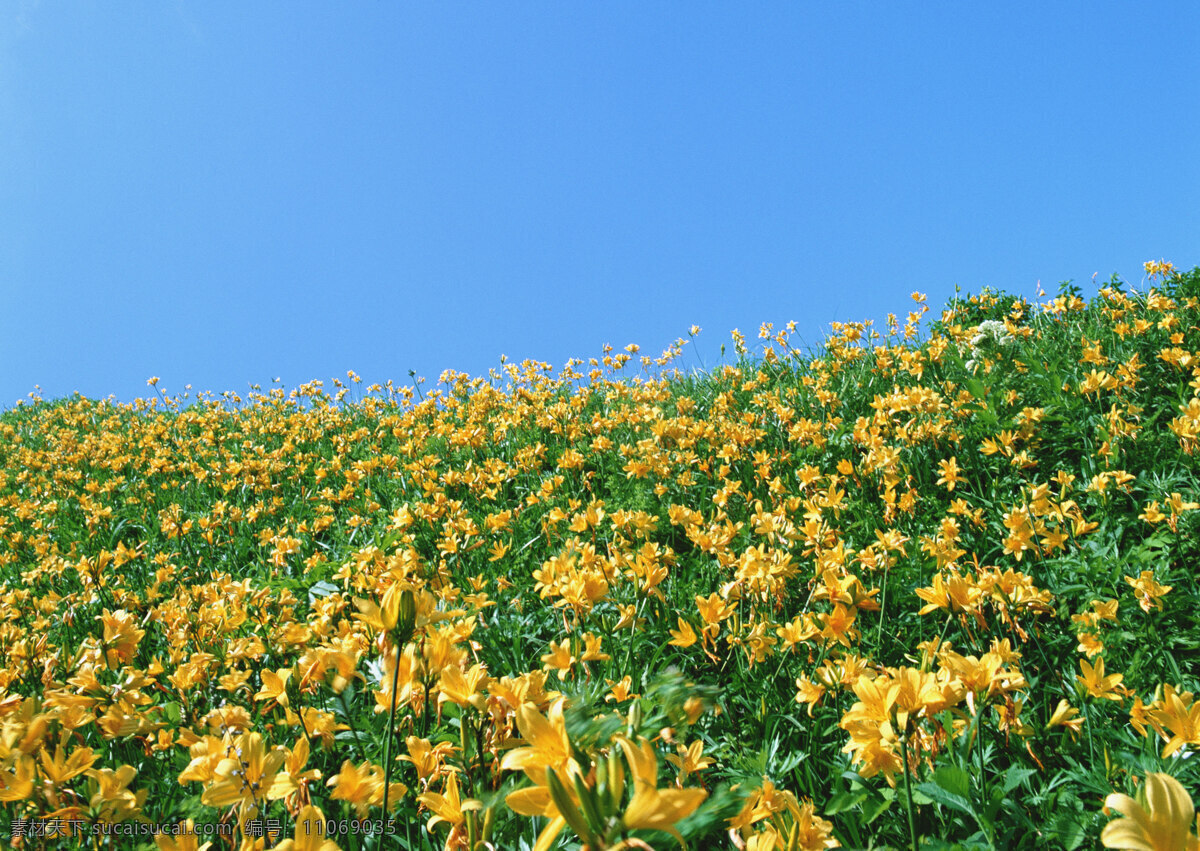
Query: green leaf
873	809
1070	830
953	779
939	795
321	589
843	801
1015	776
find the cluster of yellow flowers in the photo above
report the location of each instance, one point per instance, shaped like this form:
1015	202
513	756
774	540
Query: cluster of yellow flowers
296	602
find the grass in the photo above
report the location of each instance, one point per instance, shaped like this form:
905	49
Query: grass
929	587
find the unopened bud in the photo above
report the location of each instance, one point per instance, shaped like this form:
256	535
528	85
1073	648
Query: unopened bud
634	722
565	806
407	620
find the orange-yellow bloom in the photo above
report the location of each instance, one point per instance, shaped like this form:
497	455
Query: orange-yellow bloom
653	808
1097	684
685	636
309	834
1066	715
1159	819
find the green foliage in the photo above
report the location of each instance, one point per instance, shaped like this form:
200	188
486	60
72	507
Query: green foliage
763	542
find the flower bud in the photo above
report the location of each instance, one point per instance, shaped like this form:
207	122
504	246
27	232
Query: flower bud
407	620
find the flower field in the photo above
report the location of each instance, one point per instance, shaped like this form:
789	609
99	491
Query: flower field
931	585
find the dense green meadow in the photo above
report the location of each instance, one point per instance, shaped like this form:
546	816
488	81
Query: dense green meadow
933	584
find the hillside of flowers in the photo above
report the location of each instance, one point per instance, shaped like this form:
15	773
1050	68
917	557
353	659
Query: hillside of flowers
930	585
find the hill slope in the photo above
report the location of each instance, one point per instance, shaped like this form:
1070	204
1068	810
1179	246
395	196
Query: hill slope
619	603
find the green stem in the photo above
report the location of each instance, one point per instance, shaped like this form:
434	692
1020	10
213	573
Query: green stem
938	646
464	740
882	608
637	613
979	733
387	742
1087	723
912	824
425	707
349	719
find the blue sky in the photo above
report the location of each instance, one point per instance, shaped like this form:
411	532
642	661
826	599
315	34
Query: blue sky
223	193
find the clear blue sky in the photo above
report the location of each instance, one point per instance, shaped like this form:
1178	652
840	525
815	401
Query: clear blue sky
221	193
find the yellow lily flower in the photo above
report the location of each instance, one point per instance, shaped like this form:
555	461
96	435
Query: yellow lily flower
309	834
1099	685
1178	715
246	776
1159	819
362	786
449	807
275	686
653	808
685	636
548	745
17	784
426	757
1066	715
61	768
294	778
112	799
188	841
399	609
463	688
537	801
184	841
690	760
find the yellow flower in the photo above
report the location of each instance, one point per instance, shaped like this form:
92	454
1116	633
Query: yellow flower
362	786
426	757
1090	644
1148	591
398	611
1160	819
245	776
789	824
17	784
186	841
873	740
685	636
498	551
310	833
1177	714
60	768
652	808
294	777
322	725
1097	684
690	760
121	636
950	474
950	591
809	692
112	798
540	801
626	621
275	686
559	658
462	688
621	691
547	743
449	807
1065	715
591	649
